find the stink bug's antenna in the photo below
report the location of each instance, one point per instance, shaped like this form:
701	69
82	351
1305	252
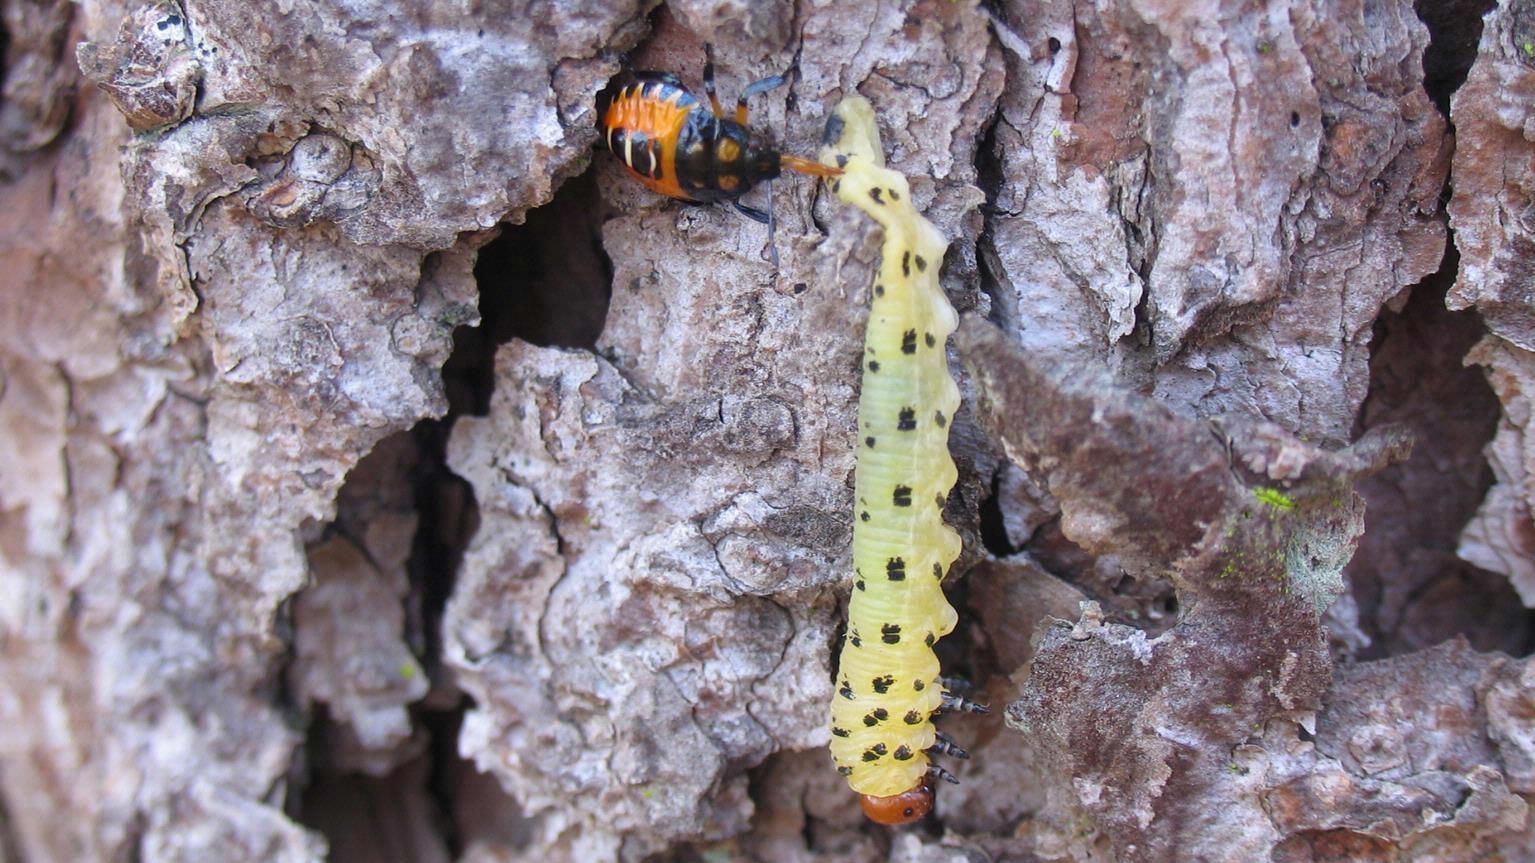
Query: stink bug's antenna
809	166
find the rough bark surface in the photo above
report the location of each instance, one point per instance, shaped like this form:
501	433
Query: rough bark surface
390	479
1493	213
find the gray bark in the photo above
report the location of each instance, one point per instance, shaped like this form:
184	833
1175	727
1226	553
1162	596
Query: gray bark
391	478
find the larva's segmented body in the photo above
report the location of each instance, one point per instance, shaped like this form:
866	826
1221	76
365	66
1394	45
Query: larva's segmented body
887	683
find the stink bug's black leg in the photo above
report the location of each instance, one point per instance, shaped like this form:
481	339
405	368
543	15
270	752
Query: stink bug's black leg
947	746
756	88
753	213
714	100
770	252
959	704
937	772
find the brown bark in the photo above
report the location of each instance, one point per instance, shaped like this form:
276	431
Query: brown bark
390	478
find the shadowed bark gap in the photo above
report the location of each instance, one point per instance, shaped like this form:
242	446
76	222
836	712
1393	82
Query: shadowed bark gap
1412	590
546	281
1455	27
387	818
9	850
477	809
5	51
993	531
991	177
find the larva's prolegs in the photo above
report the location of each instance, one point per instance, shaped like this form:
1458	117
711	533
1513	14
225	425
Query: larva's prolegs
953	703
888	685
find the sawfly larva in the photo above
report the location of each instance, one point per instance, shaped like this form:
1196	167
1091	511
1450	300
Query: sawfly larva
888	684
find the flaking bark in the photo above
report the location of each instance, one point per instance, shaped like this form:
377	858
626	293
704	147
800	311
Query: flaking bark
330	525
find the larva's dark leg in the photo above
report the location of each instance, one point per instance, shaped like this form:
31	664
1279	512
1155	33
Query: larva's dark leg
714	100
754	89
959	704
937	772
947	746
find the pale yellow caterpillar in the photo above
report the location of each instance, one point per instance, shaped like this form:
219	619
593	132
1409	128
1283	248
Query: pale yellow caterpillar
887	683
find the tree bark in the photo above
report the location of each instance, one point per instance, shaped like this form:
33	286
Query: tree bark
391	477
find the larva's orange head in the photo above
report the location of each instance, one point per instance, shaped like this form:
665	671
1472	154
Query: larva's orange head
902	808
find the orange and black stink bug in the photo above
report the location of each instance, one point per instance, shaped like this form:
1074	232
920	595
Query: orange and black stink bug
677	147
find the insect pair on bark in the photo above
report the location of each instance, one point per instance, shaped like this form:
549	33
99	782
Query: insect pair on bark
888	686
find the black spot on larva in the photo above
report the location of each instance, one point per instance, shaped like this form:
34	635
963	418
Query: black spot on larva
879	290
882	684
876	194
895	567
840	732
906	420
921	264
894	195
938	571
930	640
846	692
873	753
890	633
940	501
902	495
874	365
863	516
859	584
869	441
834	127
918	685
842	160
873	718
928	337
912	717
906	263
856	641
940	419
909	342
903	753
845	770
